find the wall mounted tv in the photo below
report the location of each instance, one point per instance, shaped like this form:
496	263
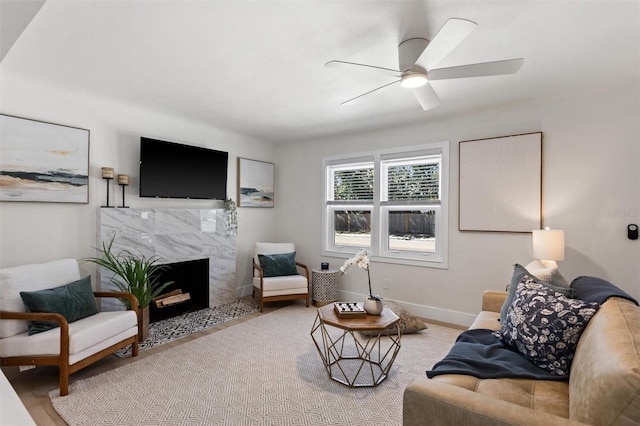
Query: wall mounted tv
173	170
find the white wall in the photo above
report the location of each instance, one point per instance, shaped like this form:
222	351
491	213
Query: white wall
591	190
591	187
35	232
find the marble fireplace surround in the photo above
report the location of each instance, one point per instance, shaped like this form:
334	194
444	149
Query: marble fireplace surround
175	235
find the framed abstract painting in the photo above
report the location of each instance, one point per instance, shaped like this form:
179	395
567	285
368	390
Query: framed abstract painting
256	181
43	162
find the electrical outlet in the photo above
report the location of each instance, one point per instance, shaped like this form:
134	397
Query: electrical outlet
386	284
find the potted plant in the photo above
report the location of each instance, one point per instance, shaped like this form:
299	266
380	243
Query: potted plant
133	273
231	217
373	302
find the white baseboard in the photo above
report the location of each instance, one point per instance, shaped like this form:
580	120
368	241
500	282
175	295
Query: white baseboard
423	311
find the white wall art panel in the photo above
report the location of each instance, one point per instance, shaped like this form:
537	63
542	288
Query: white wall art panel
501	184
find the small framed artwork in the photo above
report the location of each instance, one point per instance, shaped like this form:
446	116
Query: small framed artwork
256	181
43	162
501	184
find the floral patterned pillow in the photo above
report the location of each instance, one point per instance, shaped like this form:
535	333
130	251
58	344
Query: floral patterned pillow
545	326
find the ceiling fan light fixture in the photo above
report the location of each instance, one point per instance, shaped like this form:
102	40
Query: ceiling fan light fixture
413	80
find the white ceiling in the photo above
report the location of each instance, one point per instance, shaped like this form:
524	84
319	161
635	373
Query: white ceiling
256	67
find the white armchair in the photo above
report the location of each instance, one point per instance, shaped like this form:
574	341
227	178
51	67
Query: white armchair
70	345
276	274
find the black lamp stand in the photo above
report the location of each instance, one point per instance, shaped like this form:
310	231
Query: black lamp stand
107	179
123	206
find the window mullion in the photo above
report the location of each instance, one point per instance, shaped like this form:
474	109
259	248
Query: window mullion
410	203
349	203
376	228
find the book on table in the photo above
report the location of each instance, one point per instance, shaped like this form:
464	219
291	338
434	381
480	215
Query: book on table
349	310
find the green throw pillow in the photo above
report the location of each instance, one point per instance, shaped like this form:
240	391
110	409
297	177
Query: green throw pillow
519	272
74	301
275	265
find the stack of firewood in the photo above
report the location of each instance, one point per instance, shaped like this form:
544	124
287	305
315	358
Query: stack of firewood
171	298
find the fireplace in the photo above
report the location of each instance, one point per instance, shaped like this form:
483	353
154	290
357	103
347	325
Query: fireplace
190	289
173	235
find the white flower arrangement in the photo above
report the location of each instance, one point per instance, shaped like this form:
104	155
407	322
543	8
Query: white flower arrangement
361	258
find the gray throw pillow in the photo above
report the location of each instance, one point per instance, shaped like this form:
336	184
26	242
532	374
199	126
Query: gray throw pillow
409	323
276	265
549	275
519	272
74	301
545	326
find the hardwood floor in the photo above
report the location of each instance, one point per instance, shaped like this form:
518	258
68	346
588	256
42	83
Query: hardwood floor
33	386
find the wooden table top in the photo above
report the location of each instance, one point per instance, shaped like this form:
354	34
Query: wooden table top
386	318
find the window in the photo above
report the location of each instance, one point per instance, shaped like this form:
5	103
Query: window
391	202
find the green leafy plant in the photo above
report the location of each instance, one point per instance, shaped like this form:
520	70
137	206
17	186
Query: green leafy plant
231	217
133	273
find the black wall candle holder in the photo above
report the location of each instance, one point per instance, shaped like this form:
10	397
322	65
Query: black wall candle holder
123	180
107	174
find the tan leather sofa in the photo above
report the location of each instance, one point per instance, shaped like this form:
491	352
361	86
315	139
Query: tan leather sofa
603	389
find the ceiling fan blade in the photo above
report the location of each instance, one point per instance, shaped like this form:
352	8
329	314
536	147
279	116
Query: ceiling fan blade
509	66
452	33
363	67
426	96
353	100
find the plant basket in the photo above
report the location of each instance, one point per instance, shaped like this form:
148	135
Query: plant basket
143	324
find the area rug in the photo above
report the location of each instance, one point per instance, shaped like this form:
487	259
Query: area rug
262	371
170	329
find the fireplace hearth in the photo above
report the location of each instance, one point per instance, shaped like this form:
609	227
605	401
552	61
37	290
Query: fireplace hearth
189	277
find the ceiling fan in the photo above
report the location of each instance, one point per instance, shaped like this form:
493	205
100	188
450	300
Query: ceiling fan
418	57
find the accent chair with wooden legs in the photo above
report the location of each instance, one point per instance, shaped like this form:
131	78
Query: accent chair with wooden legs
277	275
69	331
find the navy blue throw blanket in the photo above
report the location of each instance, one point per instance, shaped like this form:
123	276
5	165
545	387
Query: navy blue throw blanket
479	353
591	289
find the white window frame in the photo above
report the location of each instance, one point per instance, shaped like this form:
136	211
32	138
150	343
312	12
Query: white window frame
379	250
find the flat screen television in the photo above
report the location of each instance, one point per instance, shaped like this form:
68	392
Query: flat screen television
174	170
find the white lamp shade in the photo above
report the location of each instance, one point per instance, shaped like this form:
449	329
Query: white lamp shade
548	244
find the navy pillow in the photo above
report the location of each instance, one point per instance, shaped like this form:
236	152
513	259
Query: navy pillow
545	326
519	272
276	265
74	301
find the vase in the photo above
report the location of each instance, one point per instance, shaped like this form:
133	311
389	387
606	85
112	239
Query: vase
373	306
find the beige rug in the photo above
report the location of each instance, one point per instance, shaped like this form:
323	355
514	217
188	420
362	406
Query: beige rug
262	371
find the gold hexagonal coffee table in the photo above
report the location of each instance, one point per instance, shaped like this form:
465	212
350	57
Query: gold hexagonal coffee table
352	358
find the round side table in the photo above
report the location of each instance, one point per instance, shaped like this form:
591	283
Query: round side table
325	286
